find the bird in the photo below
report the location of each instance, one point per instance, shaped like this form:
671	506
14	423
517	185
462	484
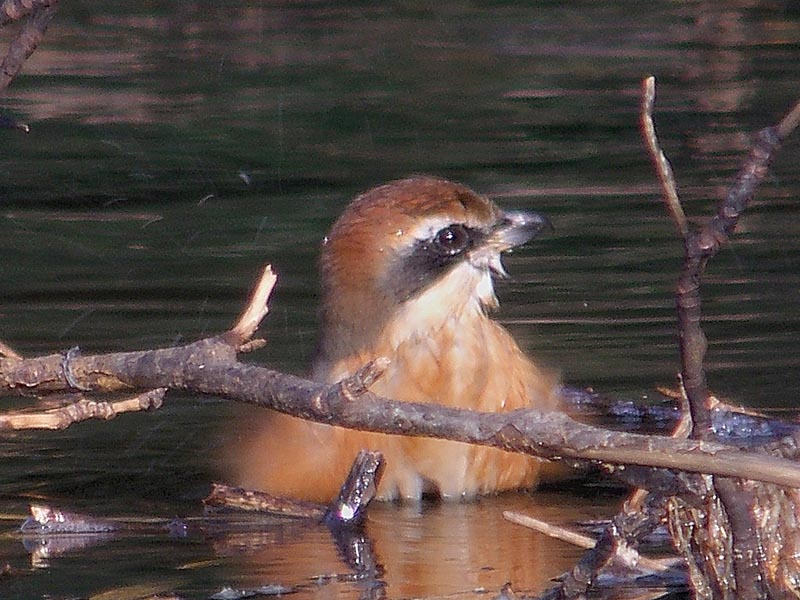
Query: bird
407	274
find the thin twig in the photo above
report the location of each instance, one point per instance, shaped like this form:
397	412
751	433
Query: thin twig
663	168
256	310
82	410
790	122
732	511
631	558
8	351
554	531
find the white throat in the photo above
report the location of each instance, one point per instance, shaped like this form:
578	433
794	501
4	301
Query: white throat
467	291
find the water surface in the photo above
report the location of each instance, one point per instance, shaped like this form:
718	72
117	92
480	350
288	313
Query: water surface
176	147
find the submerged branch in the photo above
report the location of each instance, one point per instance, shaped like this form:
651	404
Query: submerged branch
347	509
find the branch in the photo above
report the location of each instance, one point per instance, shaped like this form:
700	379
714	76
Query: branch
702	245
628	557
210	367
226	497
256	310
347	510
6	350
82	410
14	10
746	516
22	46
660	162
789	123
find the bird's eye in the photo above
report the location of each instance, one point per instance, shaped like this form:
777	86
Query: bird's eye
451	240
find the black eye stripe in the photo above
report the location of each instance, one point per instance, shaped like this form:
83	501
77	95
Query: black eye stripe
426	260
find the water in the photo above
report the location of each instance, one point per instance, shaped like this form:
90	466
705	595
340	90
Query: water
178	146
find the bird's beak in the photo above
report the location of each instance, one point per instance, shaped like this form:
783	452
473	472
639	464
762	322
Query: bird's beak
512	230
517	228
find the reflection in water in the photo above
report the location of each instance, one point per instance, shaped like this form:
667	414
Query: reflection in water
430	550
722	36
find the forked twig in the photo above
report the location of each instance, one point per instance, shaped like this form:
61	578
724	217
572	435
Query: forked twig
763	564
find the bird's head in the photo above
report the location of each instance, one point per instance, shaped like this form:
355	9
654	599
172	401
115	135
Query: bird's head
423	250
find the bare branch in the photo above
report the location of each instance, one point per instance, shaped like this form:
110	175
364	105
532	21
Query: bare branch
82	410
46	519
631	558
347	510
256	310
357	491
789	123
728	542
27	39
357	384
210	367
227	497
8	351
553	531
14	10
663	168
702	245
